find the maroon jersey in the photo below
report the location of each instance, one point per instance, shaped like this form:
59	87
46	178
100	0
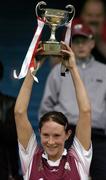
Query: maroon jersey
66	170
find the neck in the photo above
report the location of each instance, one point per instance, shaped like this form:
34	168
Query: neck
83	60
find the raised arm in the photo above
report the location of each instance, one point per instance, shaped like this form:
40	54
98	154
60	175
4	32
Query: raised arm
83	128
24	128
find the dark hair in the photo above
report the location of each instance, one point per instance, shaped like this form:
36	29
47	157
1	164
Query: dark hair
55	116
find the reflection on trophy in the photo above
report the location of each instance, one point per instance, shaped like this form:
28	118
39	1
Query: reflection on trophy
54	18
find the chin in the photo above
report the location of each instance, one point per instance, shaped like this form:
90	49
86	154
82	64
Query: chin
51	153
52	157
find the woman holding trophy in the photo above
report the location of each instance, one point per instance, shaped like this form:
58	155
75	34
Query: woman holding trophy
52	160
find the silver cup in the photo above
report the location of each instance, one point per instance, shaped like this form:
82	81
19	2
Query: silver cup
54	18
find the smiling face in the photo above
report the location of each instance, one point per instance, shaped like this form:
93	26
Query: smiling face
82	46
53	137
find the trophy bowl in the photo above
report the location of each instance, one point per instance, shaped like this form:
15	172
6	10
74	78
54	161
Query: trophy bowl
54	18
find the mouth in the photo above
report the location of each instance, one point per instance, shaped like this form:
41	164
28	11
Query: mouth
51	148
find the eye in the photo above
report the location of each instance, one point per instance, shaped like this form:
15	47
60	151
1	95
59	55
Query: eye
45	135
57	135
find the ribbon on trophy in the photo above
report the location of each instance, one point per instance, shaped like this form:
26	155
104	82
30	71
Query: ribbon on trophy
67	38
68	25
28	62
68	31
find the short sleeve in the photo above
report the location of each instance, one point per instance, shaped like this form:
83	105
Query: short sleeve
83	156
26	155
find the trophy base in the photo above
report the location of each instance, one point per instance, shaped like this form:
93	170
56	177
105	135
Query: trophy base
51	48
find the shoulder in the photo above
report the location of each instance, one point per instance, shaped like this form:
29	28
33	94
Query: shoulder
99	64
78	151
82	157
98	68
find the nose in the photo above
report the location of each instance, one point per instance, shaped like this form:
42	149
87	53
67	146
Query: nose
51	140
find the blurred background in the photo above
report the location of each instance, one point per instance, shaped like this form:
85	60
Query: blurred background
17	26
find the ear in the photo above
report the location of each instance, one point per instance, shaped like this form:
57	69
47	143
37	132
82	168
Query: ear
68	134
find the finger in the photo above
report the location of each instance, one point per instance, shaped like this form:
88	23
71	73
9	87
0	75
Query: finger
39	49
65	46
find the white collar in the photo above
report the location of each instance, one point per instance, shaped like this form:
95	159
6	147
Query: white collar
54	163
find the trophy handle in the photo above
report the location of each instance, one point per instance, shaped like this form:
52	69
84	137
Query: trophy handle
71	9
38	6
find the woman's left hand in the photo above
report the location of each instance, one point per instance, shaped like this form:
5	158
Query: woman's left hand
68	57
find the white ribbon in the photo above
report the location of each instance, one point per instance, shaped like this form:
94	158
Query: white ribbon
31	50
67	39
34	71
68	33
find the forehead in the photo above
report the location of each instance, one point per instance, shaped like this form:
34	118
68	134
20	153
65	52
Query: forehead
51	126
